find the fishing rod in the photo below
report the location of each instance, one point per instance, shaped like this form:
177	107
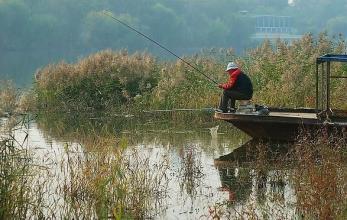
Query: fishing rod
179	110
109	14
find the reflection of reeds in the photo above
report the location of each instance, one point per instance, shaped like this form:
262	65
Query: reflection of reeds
305	180
190	172
108	182
320	176
102	179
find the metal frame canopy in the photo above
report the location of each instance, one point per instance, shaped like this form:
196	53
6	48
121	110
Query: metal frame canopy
332	57
325	63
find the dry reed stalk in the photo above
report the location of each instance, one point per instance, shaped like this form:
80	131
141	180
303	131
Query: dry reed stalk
110	182
8	97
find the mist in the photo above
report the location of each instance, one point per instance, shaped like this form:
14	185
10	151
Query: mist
35	33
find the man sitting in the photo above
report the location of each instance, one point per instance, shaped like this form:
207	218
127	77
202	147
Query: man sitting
238	87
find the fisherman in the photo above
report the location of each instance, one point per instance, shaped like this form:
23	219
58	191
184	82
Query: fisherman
238	87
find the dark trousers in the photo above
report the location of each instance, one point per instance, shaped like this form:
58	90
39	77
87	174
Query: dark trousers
231	95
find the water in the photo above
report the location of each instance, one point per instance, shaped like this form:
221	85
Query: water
202	182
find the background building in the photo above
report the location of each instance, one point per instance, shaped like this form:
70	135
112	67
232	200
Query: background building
274	27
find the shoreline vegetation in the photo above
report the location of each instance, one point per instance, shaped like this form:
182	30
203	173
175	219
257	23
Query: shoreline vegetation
116	81
102	178
282	74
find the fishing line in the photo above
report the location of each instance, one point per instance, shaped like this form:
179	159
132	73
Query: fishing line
109	14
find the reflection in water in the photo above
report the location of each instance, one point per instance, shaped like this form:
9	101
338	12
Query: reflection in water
258	180
190	172
137	130
256	188
237	183
283	180
193	181
256	150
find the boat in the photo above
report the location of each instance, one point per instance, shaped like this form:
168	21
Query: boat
285	123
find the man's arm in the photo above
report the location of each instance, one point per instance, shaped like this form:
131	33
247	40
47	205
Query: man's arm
231	81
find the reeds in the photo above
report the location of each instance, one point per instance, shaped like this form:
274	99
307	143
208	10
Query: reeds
27	102
101	178
102	81
190	173
282	74
15	101
304	180
181	87
320	177
111	182
8	97
20	193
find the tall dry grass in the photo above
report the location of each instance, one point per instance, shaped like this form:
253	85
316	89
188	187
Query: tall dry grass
320	177
101	178
21	194
102	81
181	87
303	180
283	74
27	102
14	101
8	97
110	182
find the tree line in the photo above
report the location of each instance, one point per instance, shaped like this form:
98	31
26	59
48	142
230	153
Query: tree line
37	32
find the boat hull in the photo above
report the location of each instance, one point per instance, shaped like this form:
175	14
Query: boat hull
279	126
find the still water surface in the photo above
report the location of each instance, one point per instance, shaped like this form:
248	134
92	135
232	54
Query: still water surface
213	187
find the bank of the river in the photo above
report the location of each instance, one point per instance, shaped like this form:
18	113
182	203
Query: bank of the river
115	81
282	74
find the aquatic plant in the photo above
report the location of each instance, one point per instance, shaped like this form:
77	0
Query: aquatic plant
14	100
190	172
110	181
27	102
306	180
100	178
181	87
283	75
320	175
8	97
21	194
102	81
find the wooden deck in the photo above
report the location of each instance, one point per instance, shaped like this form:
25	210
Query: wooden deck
272	116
